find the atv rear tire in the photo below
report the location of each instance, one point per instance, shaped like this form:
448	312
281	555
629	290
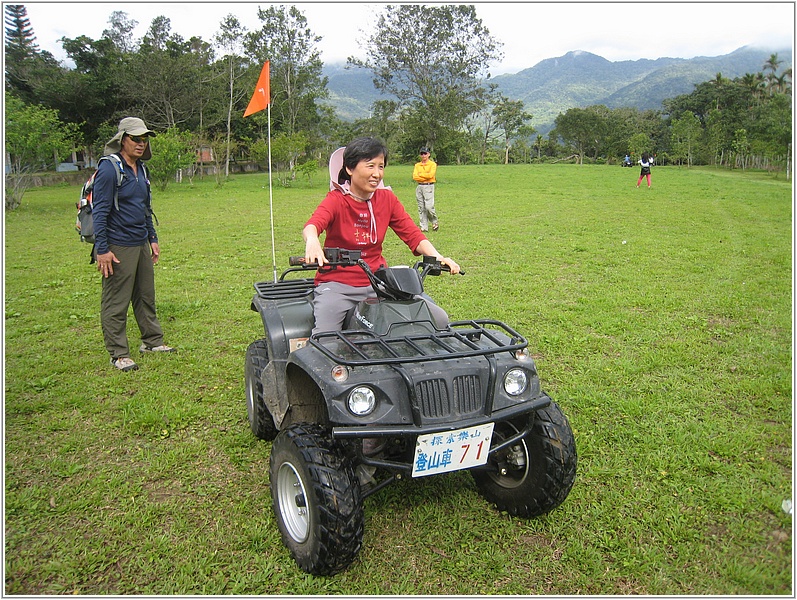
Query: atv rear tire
260	421
317	499
535	475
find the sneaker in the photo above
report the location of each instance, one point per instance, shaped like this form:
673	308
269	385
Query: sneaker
161	348
125	363
435	227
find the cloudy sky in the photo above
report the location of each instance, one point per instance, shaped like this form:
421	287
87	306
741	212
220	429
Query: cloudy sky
530	31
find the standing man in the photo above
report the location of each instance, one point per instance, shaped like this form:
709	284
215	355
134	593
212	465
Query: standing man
424	173
126	244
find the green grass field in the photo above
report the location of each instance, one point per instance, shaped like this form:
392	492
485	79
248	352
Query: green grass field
661	322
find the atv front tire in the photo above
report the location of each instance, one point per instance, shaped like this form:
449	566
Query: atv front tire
535	475
317	499
260	421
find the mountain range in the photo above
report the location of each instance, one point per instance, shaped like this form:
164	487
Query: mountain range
576	80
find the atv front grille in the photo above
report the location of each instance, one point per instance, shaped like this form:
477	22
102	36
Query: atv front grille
435	401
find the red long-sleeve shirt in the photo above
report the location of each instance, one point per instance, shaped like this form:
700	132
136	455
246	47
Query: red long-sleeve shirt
348	224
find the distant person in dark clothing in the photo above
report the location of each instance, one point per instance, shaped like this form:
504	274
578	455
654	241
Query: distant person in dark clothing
645	162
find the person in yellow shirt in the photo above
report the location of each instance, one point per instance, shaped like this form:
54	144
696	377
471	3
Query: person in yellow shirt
424	173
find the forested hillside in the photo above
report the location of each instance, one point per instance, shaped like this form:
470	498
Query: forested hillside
577	79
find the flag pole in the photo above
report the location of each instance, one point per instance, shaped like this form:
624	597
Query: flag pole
271	199
261	99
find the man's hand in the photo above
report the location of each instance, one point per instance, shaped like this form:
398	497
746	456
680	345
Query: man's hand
105	263
156	252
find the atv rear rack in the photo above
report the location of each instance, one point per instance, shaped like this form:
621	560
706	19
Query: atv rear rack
283	289
462	339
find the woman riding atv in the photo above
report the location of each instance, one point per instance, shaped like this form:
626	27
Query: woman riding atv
356	214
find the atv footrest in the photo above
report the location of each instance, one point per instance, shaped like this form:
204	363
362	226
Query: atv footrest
291	288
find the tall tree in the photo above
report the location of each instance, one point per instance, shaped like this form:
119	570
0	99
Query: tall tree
512	118
164	77
297	83
433	59
121	31
230	38
34	138
686	132
770	68
582	128
92	93
21	51
20	39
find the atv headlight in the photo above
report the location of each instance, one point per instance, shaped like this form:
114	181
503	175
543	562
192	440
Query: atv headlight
515	382
362	401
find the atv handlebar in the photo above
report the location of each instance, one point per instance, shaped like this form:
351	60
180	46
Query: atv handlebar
388	283
340	257
337	257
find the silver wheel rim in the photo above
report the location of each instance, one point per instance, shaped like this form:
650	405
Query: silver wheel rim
250	398
292	500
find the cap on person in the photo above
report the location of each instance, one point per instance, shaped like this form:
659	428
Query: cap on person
425	150
130	126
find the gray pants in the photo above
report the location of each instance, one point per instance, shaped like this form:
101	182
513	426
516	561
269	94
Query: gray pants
133	280
424	194
333	301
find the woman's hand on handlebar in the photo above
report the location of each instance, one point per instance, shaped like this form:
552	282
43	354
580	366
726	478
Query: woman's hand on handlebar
453	266
313	252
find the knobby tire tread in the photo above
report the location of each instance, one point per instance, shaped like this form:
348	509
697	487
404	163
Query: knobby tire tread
338	497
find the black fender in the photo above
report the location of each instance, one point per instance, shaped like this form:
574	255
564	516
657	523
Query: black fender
288	323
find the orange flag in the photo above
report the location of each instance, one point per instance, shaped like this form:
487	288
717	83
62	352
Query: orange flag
262	96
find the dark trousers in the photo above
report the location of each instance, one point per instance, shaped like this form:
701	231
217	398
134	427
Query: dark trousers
133	280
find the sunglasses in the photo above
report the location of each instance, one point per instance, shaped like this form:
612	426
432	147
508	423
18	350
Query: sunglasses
139	139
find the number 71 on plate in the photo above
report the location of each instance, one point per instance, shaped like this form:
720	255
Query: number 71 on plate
447	451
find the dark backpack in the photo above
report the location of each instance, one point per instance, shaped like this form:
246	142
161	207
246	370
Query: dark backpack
84	224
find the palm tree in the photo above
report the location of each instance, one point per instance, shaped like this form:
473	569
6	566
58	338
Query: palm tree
771	65
753	83
719	81
787	80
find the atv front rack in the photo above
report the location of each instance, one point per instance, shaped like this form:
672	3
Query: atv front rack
480	337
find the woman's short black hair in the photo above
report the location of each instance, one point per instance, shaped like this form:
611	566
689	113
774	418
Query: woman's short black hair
359	149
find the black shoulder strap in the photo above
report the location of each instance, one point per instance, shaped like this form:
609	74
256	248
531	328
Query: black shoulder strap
119	168
149	193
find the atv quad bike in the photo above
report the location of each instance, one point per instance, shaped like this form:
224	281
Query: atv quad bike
392	397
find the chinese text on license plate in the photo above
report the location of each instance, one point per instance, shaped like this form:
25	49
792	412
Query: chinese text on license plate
452	450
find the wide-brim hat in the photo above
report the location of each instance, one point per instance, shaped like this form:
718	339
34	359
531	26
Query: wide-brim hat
130	126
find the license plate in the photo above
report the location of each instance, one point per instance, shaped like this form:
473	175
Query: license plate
446	451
